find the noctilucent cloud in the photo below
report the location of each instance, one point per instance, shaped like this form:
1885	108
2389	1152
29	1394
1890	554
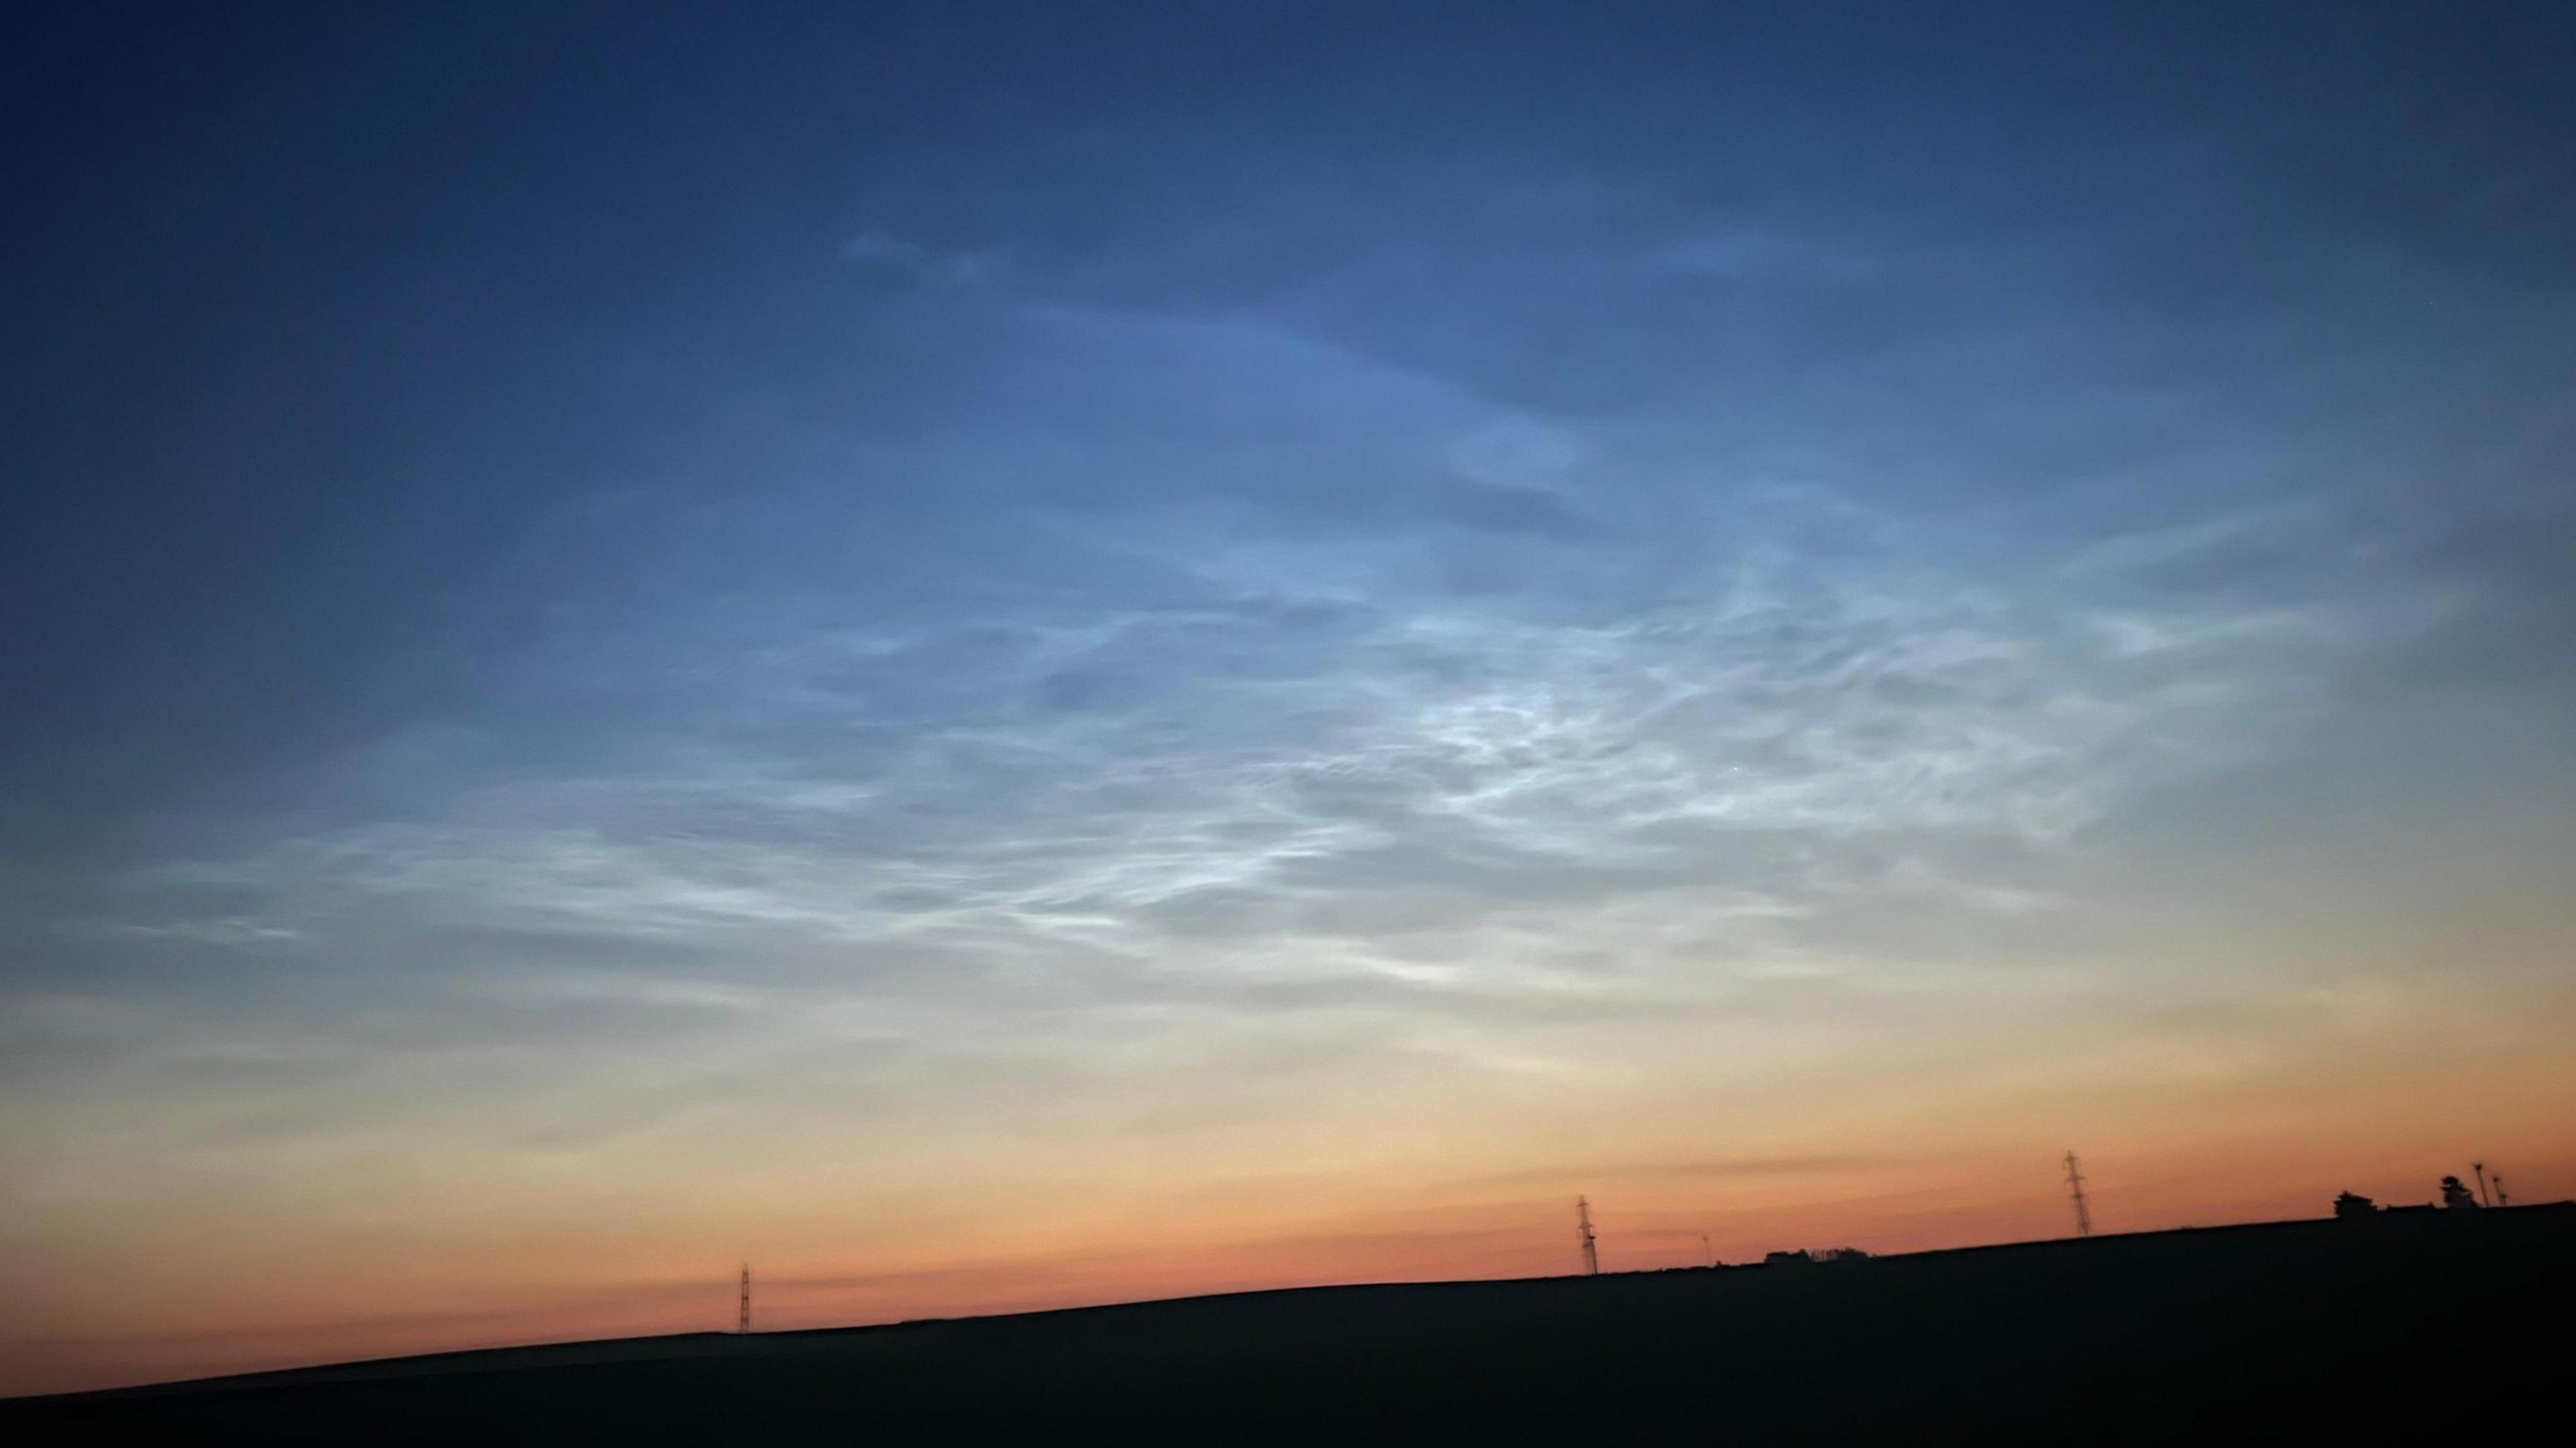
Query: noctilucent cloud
1005	655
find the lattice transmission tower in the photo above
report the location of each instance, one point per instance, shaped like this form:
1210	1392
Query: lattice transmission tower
742	1312
2075	1193
1583	1224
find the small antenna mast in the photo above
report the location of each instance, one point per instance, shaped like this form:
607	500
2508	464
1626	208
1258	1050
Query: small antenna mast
2481	1169
742	1314
2075	1192
1583	1224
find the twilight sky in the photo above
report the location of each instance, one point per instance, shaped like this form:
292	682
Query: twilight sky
1004	655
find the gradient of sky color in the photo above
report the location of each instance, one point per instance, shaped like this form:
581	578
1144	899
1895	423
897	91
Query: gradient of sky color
1007	655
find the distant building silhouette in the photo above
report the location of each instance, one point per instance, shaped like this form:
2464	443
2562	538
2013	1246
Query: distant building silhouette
2354	1204
1804	1258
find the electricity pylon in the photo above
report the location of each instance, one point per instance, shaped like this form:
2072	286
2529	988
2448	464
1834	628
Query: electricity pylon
2075	1191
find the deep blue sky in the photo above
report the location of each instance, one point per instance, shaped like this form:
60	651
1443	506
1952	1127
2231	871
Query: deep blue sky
573	571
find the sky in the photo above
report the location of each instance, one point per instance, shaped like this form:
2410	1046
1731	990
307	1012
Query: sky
993	656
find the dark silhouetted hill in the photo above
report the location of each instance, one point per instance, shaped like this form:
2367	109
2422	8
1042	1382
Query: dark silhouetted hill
2417	1326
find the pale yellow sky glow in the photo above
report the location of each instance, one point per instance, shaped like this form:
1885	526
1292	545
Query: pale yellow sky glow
1440	1159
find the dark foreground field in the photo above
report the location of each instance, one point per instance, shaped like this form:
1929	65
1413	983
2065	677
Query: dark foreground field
2440	1328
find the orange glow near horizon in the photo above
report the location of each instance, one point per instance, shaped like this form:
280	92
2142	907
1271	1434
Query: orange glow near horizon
213	1294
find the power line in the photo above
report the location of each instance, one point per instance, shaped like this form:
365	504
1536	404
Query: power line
1583	1224
2075	1191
